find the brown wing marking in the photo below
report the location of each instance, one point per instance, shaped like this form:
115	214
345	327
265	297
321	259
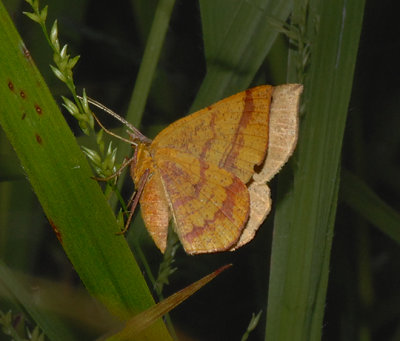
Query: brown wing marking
231	134
209	205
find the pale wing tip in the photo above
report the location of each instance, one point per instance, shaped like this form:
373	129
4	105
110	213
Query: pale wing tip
283	129
260	206
284	121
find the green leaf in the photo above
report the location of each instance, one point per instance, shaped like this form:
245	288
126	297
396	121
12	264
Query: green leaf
60	177
305	214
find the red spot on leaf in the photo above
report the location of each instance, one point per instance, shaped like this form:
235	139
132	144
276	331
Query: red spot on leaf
56	230
23	116
38	109
38	138
22	94
26	53
11	85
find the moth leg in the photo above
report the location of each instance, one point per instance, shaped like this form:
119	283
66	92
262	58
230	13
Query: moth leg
130	201
135	199
131	161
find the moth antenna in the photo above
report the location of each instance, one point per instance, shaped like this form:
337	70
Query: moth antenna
136	132
113	134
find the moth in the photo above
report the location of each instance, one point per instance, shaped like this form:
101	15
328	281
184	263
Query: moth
207	172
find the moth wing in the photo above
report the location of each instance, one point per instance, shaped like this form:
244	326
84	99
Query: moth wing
209	205
231	134
155	210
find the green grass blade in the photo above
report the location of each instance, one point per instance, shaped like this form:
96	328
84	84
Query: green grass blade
137	324
364	201
237	37
305	214
60	177
150	59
